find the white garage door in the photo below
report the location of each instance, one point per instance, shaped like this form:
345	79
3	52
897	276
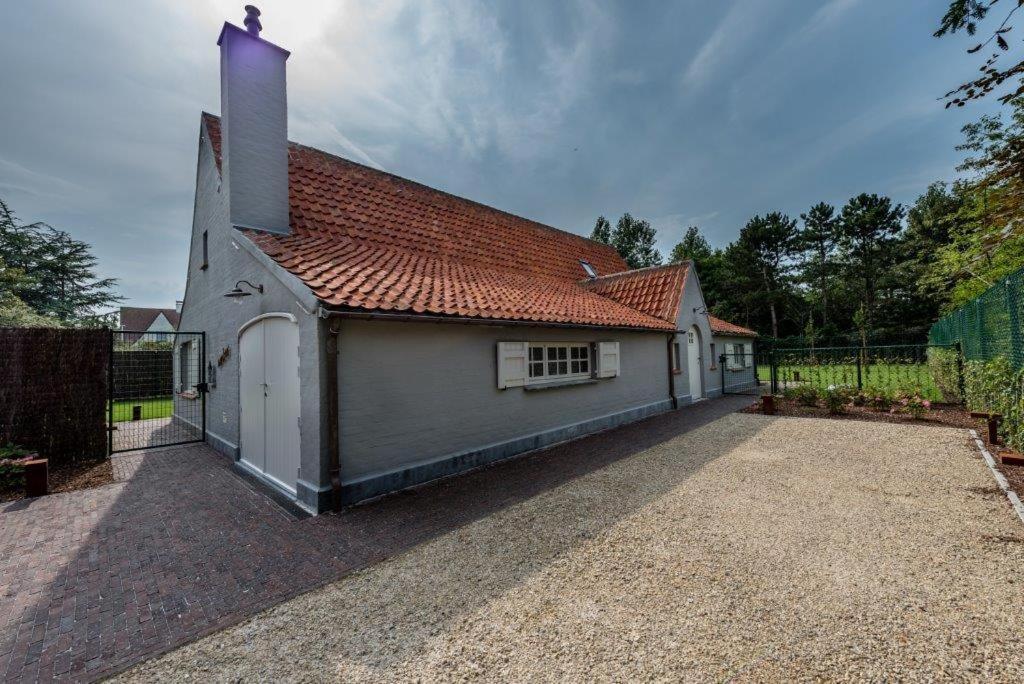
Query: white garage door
268	367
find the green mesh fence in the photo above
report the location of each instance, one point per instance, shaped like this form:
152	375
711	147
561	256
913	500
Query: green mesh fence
988	331
989	326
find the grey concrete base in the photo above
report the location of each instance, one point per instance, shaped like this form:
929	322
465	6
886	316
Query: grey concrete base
312	498
222	445
375	485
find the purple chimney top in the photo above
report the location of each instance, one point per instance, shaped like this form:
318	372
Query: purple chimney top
252	20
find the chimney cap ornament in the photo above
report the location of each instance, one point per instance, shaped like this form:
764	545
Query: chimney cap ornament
252	20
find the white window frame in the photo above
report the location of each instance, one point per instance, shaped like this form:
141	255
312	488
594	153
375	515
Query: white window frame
737	356
545	360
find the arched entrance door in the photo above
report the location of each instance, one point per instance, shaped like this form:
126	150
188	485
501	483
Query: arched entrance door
693	369
268	389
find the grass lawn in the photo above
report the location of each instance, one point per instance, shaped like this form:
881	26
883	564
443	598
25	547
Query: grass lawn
153	407
891	377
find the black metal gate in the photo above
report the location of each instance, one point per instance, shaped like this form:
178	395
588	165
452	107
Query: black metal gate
157	389
739	364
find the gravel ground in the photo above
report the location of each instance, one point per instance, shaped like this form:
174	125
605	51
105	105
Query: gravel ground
753	548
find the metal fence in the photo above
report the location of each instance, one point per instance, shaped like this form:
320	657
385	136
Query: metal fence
157	393
739	370
989	326
934	371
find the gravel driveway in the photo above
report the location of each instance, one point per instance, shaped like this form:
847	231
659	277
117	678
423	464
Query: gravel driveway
752	548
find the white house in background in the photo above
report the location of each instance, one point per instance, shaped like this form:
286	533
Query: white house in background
135	321
366	333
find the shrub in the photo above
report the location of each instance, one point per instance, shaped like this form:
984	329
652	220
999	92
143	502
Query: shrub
836	398
943	363
995	387
806	395
914	404
12	466
879	399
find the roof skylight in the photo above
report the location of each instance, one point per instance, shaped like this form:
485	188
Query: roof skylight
590	271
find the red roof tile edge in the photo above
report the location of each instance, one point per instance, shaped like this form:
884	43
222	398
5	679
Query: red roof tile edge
726	328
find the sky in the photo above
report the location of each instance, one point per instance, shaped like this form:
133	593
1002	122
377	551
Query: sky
685	113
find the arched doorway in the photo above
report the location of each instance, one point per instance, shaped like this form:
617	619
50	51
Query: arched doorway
268	393
694	366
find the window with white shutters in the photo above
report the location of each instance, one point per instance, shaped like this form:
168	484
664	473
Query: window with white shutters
538	363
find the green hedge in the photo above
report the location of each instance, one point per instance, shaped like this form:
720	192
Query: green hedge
994	386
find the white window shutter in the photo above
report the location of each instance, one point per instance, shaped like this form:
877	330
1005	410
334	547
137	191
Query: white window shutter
607	359
730	362
511	364
748	355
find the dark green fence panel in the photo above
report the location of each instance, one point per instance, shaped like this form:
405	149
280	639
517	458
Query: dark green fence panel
934	371
989	326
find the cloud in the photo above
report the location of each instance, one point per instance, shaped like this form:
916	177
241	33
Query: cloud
18	179
828	15
724	44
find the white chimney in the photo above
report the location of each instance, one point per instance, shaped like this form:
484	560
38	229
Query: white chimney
254	126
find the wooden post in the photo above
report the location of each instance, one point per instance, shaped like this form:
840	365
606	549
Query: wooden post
993	430
37	481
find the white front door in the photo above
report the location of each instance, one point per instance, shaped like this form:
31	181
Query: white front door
268	387
693	368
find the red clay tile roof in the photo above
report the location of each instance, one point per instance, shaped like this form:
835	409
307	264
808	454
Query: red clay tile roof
655	291
366	239
726	328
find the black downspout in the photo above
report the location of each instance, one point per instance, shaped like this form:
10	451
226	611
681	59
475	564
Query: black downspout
333	448
672	371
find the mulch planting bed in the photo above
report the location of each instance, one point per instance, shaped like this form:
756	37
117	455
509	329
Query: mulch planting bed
938	416
69	478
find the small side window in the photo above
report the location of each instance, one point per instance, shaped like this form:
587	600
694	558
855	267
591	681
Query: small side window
714	357
206	251
676	354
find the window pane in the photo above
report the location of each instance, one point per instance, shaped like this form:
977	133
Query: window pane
552	368
563	367
575	366
563	353
584	352
536	353
574	353
536	370
584	366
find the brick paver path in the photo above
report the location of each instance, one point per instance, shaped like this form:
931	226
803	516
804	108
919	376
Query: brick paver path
94	581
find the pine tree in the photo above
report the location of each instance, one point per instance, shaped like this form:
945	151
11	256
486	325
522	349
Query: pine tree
868	226
693	247
817	243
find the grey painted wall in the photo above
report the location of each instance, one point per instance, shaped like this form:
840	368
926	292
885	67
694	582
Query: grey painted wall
693	298
231	258
413	393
